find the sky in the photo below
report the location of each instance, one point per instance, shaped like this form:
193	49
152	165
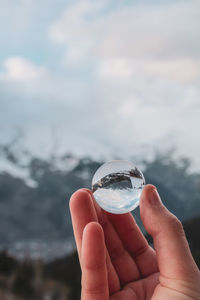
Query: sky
101	77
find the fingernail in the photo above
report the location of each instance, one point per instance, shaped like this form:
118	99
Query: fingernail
153	197
89	192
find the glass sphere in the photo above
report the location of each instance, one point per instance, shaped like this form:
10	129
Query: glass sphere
117	186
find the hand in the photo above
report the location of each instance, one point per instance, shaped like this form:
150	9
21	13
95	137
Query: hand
116	261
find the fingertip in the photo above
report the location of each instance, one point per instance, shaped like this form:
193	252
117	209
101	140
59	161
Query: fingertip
93	244
80	191
79	198
150	196
87	190
151	208
148	188
94	235
100	213
93	229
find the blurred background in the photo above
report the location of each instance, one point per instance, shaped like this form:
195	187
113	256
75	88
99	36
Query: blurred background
83	82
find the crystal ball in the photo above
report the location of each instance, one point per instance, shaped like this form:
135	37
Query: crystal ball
117	186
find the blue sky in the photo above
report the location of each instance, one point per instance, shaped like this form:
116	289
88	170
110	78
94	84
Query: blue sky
101	77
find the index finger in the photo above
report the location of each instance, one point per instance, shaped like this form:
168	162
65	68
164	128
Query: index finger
82	212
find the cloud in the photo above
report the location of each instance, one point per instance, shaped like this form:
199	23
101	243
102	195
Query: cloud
37	83
156	40
181	70
120	79
20	69
73	25
134	30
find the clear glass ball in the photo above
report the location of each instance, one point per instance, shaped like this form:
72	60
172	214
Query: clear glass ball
117	186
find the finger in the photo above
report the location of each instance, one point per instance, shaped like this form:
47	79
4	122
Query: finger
122	261
83	212
94	272
113	279
135	243
174	257
124	264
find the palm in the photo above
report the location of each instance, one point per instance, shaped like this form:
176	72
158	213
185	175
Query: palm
141	289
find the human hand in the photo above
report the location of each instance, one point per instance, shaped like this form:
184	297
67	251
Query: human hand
116	261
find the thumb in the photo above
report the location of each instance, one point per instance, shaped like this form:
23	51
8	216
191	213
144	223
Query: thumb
175	260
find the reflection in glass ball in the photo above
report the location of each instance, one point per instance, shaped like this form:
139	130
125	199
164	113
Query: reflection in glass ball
117	186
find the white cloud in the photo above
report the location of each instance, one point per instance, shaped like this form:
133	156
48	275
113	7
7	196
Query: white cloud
130	79
24	79
115	69
152	40
179	70
183	70
140	30
73	25
20	69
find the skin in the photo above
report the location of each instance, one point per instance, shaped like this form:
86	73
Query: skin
116	261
